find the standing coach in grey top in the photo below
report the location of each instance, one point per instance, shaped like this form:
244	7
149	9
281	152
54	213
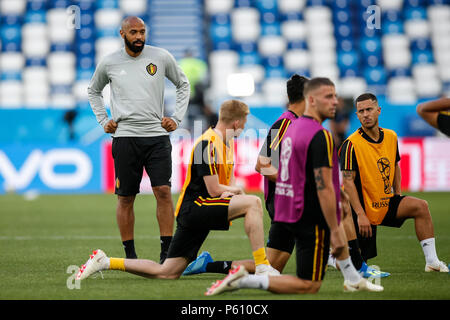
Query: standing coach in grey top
136	75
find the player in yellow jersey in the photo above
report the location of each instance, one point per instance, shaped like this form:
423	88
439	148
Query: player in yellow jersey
372	179
209	201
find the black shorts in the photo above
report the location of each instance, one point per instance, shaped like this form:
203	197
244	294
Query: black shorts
312	249
270	206
280	238
134	154
390	219
443	122
368	246
194	221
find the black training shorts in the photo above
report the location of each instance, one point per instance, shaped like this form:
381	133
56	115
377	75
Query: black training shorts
280	238
194	221
368	246
134	154
312	249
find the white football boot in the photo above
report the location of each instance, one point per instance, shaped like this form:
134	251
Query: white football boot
98	261
266	270
229	283
362	285
438	266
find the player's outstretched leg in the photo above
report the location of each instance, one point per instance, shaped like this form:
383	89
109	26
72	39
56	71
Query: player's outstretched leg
99	261
238	278
292	284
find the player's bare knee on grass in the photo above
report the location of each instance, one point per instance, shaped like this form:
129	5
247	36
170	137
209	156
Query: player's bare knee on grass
169	276
170	271
314	287
309	287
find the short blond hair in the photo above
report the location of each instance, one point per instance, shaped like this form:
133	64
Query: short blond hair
232	110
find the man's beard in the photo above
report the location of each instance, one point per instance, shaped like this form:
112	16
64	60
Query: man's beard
132	46
370	127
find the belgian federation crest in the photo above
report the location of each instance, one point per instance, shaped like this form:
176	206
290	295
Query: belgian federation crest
151	69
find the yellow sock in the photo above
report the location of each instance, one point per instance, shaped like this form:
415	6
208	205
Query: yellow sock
117	264
260	256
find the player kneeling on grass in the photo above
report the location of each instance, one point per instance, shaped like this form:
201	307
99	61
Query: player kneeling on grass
307	197
372	178
208	201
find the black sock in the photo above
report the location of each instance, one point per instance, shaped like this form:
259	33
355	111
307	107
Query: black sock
165	243
219	267
355	254
130	253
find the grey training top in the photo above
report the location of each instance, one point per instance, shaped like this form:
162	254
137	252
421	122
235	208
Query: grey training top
137	91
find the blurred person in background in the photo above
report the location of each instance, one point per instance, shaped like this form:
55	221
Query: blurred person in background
341	122
436	113
136	74
196	71
69	118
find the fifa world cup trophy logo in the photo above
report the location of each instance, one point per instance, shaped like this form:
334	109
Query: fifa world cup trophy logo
384	166
286	151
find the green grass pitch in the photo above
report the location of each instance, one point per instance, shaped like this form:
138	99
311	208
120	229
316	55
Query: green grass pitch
42	239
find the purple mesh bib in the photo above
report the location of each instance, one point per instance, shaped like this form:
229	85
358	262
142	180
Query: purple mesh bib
290	186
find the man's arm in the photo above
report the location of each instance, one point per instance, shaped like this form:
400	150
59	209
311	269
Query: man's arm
321	151
365	228
205	165
215	189
397	183
179	79
429	110
233	183
326	195
98	82
270	150
264	166
327	199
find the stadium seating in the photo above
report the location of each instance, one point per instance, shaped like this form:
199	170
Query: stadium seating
49	48
405	58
